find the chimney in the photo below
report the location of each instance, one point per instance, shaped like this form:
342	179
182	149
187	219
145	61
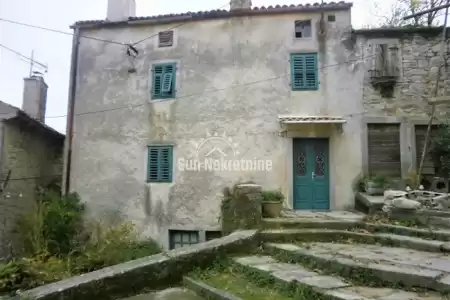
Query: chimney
241	4
121	10
35	96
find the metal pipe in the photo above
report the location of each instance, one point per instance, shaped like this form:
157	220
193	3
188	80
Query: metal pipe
71	109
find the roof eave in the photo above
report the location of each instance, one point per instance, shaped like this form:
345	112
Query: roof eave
215	14
24	116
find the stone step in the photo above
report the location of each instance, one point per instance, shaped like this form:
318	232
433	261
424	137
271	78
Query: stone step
373	264
318	223
362	236
176	293
313	285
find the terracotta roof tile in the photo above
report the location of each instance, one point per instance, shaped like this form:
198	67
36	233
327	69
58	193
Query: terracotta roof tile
212	14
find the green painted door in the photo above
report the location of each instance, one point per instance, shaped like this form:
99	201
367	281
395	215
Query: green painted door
311	174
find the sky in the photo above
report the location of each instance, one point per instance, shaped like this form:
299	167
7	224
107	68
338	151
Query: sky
54	49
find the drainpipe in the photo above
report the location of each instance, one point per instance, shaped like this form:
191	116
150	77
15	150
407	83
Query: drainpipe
71	109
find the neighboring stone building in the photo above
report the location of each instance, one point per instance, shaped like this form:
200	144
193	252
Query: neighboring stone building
402	65
30	152
279	86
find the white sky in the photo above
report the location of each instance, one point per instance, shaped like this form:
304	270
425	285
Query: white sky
54	49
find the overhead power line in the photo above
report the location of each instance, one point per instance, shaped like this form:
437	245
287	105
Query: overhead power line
61	32
28	59
91	37
208	91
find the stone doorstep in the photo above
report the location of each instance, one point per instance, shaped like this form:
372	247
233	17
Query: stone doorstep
409	275
331	286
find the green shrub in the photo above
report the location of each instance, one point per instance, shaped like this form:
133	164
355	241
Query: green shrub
111	244
52	225
272	196
57	244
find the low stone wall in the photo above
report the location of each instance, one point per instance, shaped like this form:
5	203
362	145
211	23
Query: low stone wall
151	272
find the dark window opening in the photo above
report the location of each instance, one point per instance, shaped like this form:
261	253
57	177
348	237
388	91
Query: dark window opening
182	238
211	235
303	29
331	18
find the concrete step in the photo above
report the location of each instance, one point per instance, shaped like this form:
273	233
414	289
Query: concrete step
372	264
313	285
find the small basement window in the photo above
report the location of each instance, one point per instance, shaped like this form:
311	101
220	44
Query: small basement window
331	18
182	238
165	39
303	29
212	235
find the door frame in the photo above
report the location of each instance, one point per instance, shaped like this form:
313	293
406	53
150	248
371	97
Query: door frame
292	169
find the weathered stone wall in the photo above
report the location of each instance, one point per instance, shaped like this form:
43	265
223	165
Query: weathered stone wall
418	54
419	61
34	159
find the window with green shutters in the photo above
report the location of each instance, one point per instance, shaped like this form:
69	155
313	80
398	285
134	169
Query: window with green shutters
304	73
160	163
163	81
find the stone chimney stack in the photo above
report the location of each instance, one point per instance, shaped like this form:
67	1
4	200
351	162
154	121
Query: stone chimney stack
35	96
241	4
121	10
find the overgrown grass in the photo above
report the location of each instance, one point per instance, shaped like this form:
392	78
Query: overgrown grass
57	243
226	277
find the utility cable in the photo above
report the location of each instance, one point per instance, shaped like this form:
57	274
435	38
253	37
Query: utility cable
207	91
179	25
61	32
24	56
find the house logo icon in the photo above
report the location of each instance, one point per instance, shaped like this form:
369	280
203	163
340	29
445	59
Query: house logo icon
216	146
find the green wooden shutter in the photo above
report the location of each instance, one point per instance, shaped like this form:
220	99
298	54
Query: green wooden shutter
160	164
157	81
163	81
304	73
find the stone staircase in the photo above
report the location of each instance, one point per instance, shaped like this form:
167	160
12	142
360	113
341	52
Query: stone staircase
327	256
334	259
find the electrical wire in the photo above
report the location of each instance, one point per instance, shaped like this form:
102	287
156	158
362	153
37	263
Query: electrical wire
91	37
207	91
179	25
61	32
24	56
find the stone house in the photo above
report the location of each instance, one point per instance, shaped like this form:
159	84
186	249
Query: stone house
30	155
271	95
401	70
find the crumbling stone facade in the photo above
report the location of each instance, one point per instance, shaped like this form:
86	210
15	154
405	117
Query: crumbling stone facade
416	62
32	153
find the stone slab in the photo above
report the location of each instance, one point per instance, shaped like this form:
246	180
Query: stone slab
273	267
411	267
207	291
293	275
324	282
168	294
255	260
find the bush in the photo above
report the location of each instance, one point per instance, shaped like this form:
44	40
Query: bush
52	225
57	244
